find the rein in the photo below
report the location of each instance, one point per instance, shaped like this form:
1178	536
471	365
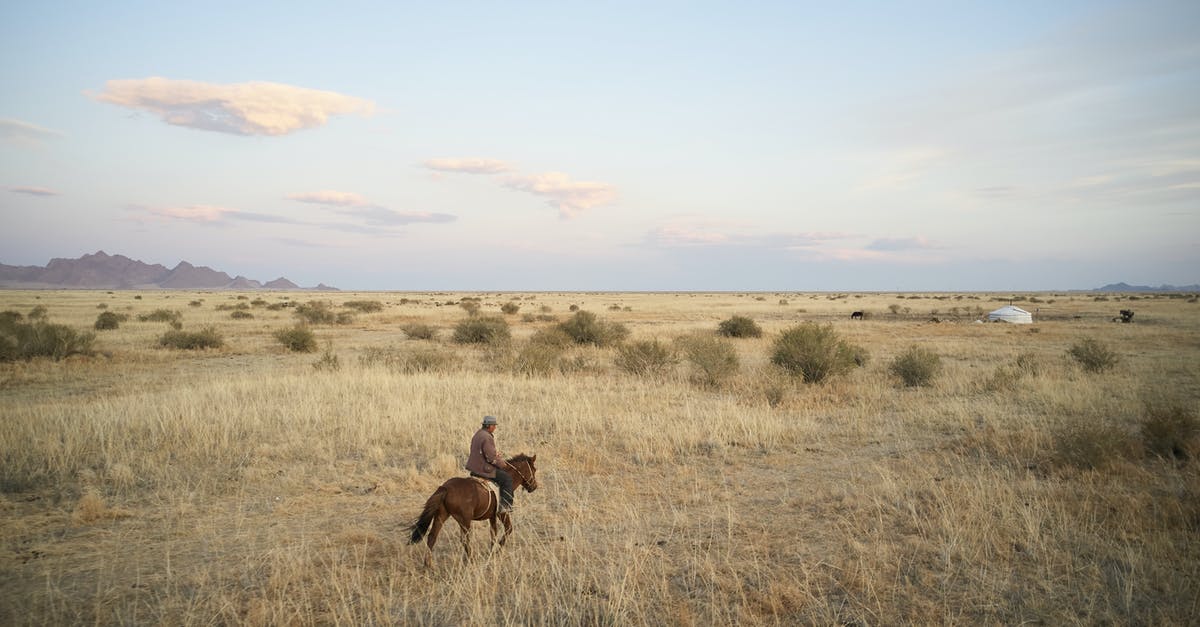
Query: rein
524	479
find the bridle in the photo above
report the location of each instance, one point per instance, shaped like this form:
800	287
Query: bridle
524	480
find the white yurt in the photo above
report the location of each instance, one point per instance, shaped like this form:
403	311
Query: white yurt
1012	314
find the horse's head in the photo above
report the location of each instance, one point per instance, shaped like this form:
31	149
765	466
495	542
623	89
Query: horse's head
526	470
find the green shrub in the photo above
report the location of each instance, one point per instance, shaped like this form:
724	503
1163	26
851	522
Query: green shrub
510	308
713	360
812	352
39	338
586	328
316	312
365	306
1170	429
419	331
160	315
481	330
739	326
109	320
916	366
298	339
646	357
241	315
1092	355
207	337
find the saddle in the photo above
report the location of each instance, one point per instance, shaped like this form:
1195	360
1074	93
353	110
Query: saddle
490	486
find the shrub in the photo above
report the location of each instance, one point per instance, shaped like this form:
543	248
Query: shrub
328	361
407	362
812	352
916	366
102	306
419	331
586	328
298	339
713	360
646	357
160	315
739	326
1091	444
316	312
481	330
196	303
109	320
208	337
553	336
38	313
539	357
39	338
1092	355
471	306
364	306
1170	429
241	315
510	308
344	317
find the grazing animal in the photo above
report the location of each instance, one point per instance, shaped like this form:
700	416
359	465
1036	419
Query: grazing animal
466	499
1126	315
858	315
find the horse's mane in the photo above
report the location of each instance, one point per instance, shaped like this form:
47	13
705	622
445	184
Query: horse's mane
520	458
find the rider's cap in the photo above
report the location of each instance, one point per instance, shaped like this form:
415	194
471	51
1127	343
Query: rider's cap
489	421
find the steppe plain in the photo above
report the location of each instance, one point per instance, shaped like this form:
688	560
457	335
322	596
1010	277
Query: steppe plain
250	484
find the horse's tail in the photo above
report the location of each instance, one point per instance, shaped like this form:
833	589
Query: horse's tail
421	527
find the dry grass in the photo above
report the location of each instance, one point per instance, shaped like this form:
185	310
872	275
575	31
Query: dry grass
241	485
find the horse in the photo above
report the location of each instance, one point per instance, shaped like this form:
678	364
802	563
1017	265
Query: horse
858	315
466	500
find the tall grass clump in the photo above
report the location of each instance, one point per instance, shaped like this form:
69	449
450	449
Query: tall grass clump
364	306
481	330
538	357
916	366
510	308
1170	429
419	331
20	340
713	360
812	352
160	315
739	326
1092	443
586	328
298	339
109	320
646	358
316	312
207	337
1092	355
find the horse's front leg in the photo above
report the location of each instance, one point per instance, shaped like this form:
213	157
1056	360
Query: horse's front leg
492	522
466	539
507	520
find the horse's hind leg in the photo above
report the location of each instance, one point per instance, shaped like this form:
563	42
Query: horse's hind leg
507	520
465	525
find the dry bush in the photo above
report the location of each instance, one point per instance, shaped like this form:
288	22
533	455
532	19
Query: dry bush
713	360
364	306
539	358
419	331
206	337
510	308
739	326
1170	429
586	327
160	315
812	352
1092	355
298	339
39	338
316	312
481	330
408	362
1092	443
109	320
916	366
649	358
241	315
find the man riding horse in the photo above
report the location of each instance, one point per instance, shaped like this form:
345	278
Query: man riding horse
485	461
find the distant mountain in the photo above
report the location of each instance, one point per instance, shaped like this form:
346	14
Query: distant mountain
1125	287
101	270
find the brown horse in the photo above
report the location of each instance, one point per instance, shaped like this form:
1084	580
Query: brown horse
465	500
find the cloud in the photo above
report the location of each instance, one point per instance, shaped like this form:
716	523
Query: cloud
570	197
468	166
32	191
896	244
725	233
18	131
254	108
331	198
210	215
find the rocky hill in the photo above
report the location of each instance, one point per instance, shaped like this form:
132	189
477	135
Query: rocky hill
101	270
1125	287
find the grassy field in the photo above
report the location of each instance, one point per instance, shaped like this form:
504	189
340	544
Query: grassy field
250	484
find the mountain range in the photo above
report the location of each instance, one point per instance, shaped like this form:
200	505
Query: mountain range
101	270
1125	287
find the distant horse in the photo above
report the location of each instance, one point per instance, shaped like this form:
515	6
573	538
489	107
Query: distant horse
858	315
465	500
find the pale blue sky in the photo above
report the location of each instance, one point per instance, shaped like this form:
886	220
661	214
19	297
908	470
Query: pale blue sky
610	146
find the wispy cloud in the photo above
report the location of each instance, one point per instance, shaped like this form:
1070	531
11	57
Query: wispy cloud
357	206
211	215
468	166
254	108
19	131
895	244
570	197
32	191
726	233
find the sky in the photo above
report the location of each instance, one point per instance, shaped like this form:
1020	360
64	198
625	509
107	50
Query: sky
673	146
